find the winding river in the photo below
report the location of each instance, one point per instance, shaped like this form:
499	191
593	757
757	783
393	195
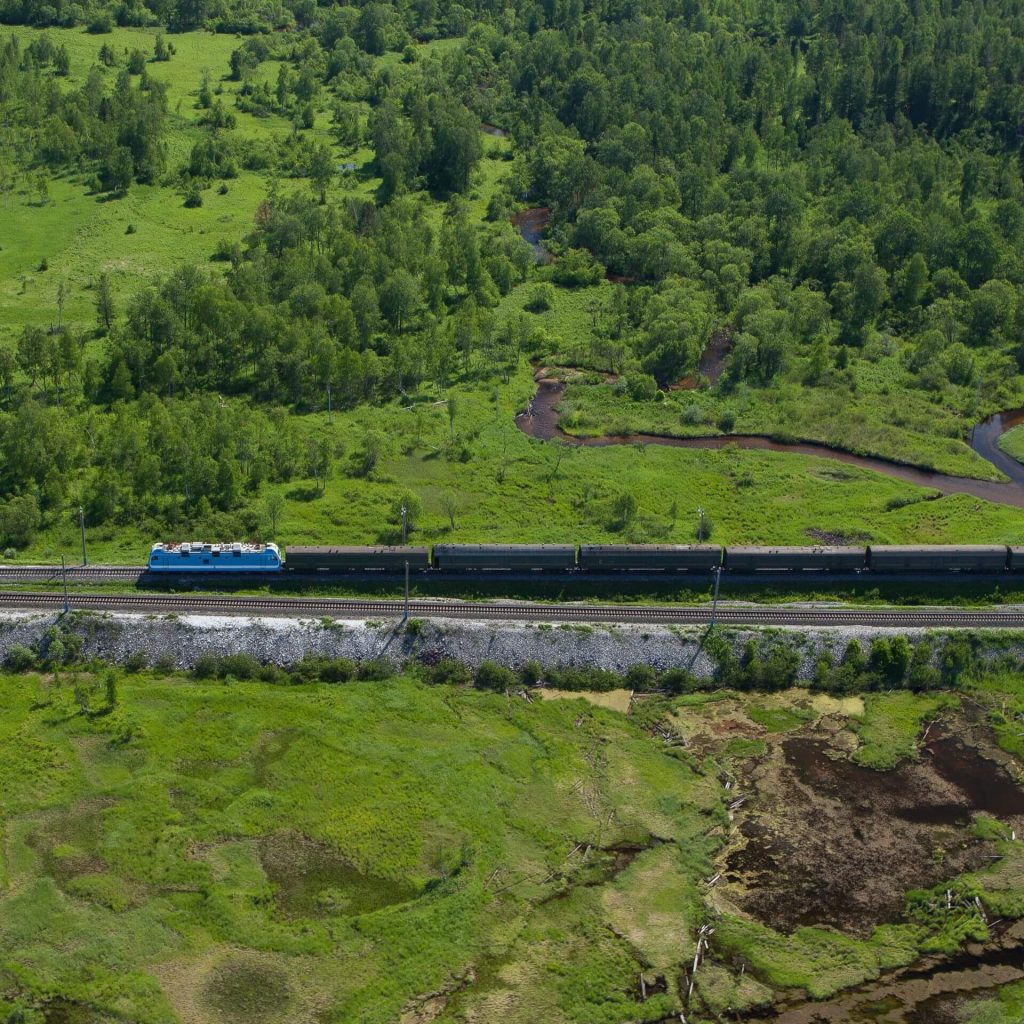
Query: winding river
541	421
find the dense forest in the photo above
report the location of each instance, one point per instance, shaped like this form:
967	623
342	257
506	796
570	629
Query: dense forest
827	183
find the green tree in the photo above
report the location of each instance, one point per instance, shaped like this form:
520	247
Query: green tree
321	170
105	308
399	299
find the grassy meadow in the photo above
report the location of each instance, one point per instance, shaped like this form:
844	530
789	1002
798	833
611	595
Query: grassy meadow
386	850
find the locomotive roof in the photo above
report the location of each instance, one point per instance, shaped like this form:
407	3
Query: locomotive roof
199	545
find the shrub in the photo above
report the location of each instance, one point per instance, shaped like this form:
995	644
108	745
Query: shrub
641	677
19	658
447	672
136	662
531	673
576	268
376	670
101	23
492	676
642	387
542	298
241	666
678	680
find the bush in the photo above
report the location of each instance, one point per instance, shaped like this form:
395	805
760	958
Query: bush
597	679
447	672
240	666
316	668
19	658
531	673
641	387
376	670
642	678
136	662
101	23
492	676
678	680
576	268
542	298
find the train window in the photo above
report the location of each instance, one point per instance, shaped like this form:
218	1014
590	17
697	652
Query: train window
216	554
237	554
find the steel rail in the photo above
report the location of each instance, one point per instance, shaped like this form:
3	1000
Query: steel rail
766	615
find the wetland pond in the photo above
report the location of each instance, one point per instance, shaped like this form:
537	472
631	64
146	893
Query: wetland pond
827	842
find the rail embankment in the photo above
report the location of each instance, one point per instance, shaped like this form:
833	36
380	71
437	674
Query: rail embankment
180	641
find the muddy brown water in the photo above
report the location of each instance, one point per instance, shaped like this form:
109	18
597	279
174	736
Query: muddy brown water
541	420
531	225
933	991
829	842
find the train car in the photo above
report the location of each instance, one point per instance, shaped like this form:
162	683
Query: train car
1016	563
196	556
356	559
650	557
927	558
795	559
498	557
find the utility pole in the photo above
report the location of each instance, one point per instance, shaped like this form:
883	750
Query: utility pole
714	599
405	617
64	573
81	523
700	526
329	418
405	523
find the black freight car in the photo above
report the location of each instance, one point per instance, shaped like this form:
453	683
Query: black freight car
356	559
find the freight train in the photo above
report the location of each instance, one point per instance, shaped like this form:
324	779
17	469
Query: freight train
588	558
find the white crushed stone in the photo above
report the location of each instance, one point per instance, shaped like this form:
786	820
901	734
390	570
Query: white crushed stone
184	639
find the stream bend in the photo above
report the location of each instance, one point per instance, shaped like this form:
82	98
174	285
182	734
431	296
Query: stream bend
541	421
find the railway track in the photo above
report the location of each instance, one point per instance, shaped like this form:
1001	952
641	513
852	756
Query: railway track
738	615
75	573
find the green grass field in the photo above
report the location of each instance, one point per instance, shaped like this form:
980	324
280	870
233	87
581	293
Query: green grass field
1012	442
239	851
336	854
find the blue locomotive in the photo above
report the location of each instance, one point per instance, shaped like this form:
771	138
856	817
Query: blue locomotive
196	556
